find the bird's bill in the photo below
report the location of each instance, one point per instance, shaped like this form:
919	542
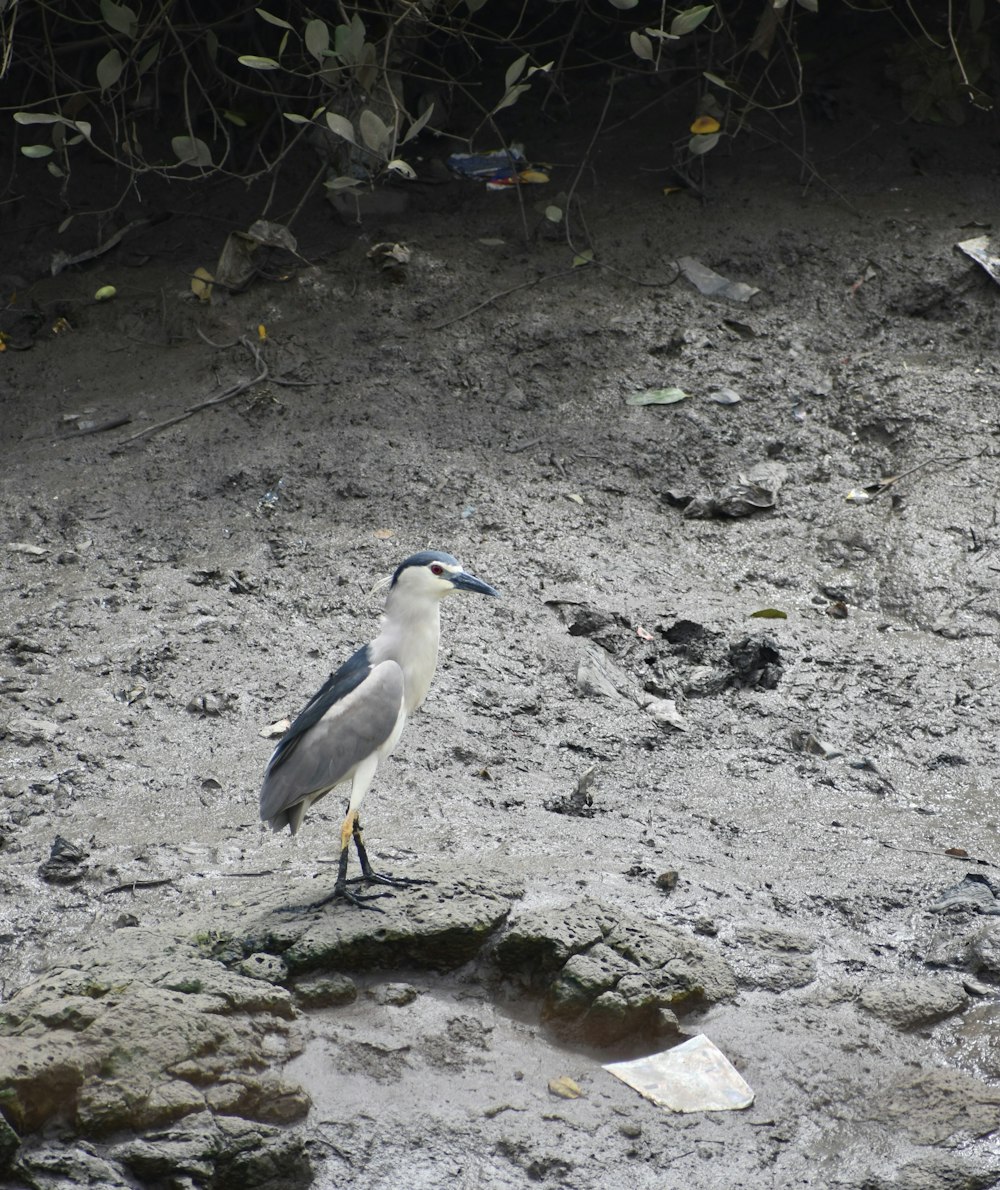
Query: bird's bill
463	581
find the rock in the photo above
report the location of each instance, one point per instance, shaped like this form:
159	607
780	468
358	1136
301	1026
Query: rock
9	1144
66	1167
136	1034
396	995
267	967
583	978
438	926
603	982
31	729
542	940
220	1153
325	991
909	1003
933	1106
938	1172
984	949
774	960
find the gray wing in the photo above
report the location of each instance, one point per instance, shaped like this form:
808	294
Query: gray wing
332	747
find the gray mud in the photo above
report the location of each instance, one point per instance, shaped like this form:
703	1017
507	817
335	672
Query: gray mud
164	601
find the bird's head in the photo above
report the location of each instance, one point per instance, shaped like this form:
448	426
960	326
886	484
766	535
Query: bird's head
435	575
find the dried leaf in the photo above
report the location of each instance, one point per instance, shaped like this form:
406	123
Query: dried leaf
657	396
564	1088
201	285
769	613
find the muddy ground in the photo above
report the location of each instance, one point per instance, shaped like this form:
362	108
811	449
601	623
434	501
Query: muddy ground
167	598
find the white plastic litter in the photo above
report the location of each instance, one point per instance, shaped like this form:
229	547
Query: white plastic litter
693	1076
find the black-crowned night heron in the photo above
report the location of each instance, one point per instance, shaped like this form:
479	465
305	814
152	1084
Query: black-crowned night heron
357	717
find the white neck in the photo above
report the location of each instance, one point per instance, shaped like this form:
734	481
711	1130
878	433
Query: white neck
411	630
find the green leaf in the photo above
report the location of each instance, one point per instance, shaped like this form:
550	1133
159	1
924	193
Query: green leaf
553	213
341	126
810	5
373	130
295	118
584	257
512	96
657	396
474	5
769	613
109	69
623	5
418	124
37	150
212	45
642	47
403	168
120	17
703	142
714	79
349	41
256	63
317	39
272	19
341	183
514	72
148	58
189	150
38	118
690	19
234	118
54	170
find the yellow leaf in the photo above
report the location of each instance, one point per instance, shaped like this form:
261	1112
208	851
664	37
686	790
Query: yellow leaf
672	189
533	175
201	285
262	332
705	124
564	1088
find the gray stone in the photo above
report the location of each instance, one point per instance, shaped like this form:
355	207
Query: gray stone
223	1153
543	939
325	991
933	1106
909	1003
267	967
439	926
984	949
396	995
774	960
135	1036
70	1167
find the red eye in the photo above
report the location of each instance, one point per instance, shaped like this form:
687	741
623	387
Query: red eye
437	568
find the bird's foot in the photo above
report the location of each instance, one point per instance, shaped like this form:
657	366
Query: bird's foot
373	877
341	892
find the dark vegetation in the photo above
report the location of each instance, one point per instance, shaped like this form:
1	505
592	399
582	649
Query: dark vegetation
201	92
